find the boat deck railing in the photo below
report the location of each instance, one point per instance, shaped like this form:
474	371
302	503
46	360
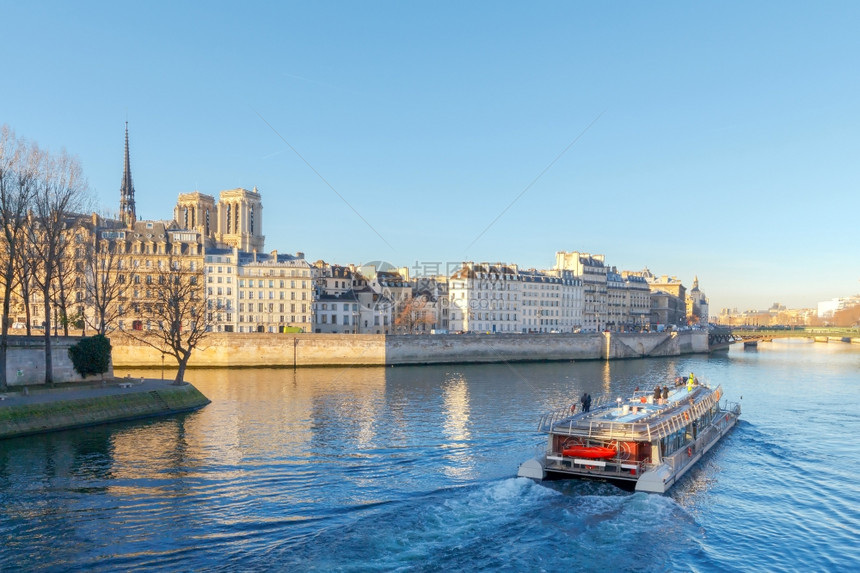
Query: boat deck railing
610	468
625	469
662	422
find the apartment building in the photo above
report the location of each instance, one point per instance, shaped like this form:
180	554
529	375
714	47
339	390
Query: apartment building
485	297
637	301
258	292
347	300
551	301
592	271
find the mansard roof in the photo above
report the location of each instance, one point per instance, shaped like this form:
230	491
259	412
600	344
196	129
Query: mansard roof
471	270
464	272
267	259
634	278
219	251
349	296
590	261
155	229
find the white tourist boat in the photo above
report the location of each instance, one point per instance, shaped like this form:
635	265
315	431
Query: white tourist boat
641	443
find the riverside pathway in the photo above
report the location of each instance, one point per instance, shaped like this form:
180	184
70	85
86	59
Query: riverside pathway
75	391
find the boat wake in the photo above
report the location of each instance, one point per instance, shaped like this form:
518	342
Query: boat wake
544	526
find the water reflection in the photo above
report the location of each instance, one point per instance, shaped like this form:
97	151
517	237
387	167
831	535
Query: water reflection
455	397
607	376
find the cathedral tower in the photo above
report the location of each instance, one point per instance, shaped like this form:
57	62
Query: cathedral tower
240	220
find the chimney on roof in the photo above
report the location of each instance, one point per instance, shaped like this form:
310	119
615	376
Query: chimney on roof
300	255
274	255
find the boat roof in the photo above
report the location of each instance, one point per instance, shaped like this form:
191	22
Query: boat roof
636	418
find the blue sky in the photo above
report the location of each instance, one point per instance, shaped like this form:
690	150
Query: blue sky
716	140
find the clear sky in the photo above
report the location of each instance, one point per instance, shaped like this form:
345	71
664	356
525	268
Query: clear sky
720	140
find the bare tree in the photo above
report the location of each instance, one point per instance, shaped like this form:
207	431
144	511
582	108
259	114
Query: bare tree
69	273
24	268
59	196
174	314
104	281
17	176
414	316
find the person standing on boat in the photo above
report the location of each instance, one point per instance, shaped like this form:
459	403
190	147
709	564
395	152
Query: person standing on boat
588	402
690	382
665	394
657	393
583	400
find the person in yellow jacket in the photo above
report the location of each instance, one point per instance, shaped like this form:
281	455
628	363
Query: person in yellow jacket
690	383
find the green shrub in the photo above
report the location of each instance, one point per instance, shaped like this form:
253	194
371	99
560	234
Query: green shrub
91	355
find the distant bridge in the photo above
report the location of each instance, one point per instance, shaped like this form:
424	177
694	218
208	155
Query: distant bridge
722	337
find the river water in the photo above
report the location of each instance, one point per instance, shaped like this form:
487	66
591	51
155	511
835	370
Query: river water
413	469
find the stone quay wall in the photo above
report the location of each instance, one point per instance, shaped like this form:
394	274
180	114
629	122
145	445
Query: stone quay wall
243	350
47	410
248	350
25	361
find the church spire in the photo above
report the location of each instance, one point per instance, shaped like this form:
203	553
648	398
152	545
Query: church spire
126	199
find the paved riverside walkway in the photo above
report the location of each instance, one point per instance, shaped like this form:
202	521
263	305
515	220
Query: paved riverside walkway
17	395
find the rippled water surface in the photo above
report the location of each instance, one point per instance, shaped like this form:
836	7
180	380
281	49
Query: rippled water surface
413	469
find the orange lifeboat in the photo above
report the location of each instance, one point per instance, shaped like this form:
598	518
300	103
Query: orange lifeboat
589	452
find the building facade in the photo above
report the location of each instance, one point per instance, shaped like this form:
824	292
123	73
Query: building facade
592	271
668	301
501	298
551	301
349	301
254	292
637	301
616	292
485	297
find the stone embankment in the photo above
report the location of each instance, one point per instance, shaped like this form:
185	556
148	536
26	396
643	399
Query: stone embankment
25	361
221	350
36	410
